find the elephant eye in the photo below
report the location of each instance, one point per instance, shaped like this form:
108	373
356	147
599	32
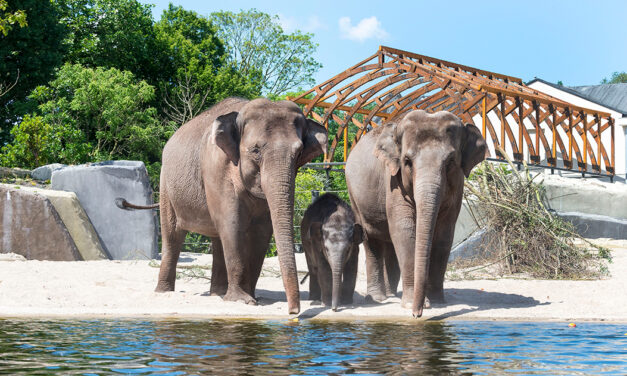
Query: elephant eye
407	161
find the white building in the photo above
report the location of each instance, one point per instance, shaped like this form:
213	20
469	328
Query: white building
611	98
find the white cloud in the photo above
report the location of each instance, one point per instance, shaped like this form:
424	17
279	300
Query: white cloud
367	28
290	24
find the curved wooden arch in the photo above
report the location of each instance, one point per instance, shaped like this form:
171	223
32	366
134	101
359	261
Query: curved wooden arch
392	82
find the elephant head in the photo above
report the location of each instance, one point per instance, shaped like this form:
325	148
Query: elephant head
429	154
268	142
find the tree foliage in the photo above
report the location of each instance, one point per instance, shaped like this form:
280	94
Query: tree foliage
617	78
197	69
29	57
112	34
89	114
258	45
9	18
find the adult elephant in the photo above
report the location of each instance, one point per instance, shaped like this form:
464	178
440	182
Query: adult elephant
407	199
229	174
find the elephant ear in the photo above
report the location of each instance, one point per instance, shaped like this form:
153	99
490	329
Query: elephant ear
314	142
226	134
473	149
315	230
387	148
358	234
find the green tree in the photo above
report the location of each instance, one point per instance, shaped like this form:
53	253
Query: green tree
109	111
198	75
36	143
112	34
28	58
257	45
617	78
9	18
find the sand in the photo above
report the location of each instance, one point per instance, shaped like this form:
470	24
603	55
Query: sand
120	289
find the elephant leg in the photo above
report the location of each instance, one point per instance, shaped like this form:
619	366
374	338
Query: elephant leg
236	258
374	270
219	282
314	285
325	279
392	273
171	244
349	277
441	249
315	295
258	243
402	221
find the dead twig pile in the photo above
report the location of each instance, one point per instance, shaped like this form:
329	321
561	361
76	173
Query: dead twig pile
522	234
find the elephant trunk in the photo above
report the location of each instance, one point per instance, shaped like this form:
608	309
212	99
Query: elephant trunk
427	194
336	270
278	185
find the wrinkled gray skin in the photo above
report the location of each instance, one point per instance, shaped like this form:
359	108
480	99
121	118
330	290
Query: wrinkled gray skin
229	174
331	241
408	198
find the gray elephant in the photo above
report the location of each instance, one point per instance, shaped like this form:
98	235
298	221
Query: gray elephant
331	241
229	174
408	198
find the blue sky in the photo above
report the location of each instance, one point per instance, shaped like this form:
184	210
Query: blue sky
577	42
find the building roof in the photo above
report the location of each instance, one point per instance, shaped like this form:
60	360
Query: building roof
612	96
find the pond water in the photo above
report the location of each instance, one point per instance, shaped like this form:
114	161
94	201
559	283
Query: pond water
90	347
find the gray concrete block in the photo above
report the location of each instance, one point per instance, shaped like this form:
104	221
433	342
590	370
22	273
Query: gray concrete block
31	226
124	234
595	226
44	173
75	220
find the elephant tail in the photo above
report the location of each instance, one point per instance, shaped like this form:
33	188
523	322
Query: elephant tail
125	205
304	278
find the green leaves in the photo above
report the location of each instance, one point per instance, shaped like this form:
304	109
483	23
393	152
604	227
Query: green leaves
258	46
89	114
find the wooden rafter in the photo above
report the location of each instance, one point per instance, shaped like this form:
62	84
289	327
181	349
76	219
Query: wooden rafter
392	82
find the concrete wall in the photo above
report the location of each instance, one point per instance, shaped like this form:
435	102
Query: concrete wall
31	226
597	209
124	234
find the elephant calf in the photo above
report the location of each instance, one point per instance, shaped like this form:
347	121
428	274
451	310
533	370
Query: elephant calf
331	243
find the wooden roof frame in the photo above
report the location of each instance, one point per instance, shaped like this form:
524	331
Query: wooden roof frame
392	82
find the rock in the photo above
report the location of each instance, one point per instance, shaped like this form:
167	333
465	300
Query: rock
30	226
595	226
44	173
471	247
14	173
125	234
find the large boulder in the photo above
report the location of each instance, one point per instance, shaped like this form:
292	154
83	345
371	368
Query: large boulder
44	173
31	226
125	234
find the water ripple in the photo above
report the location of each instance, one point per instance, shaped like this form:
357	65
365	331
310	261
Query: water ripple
131	347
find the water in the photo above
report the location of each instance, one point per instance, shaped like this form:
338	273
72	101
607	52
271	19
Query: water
89	347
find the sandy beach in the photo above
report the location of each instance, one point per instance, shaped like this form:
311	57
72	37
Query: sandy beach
125	289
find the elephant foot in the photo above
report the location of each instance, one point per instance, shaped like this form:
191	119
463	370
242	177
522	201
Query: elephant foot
238	295
164	286
437	297
346	301
218	291
316	303
375	298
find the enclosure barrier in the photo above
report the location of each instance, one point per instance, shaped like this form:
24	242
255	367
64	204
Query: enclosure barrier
530	126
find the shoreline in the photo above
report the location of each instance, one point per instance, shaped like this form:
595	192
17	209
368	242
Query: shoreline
120	290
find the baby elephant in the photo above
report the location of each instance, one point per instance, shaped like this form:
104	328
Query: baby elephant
331	243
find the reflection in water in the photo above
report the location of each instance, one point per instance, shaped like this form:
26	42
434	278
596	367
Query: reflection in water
308	347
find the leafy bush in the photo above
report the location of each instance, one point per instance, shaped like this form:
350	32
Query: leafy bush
522	234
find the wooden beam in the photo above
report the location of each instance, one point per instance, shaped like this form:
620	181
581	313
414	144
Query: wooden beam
341	108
